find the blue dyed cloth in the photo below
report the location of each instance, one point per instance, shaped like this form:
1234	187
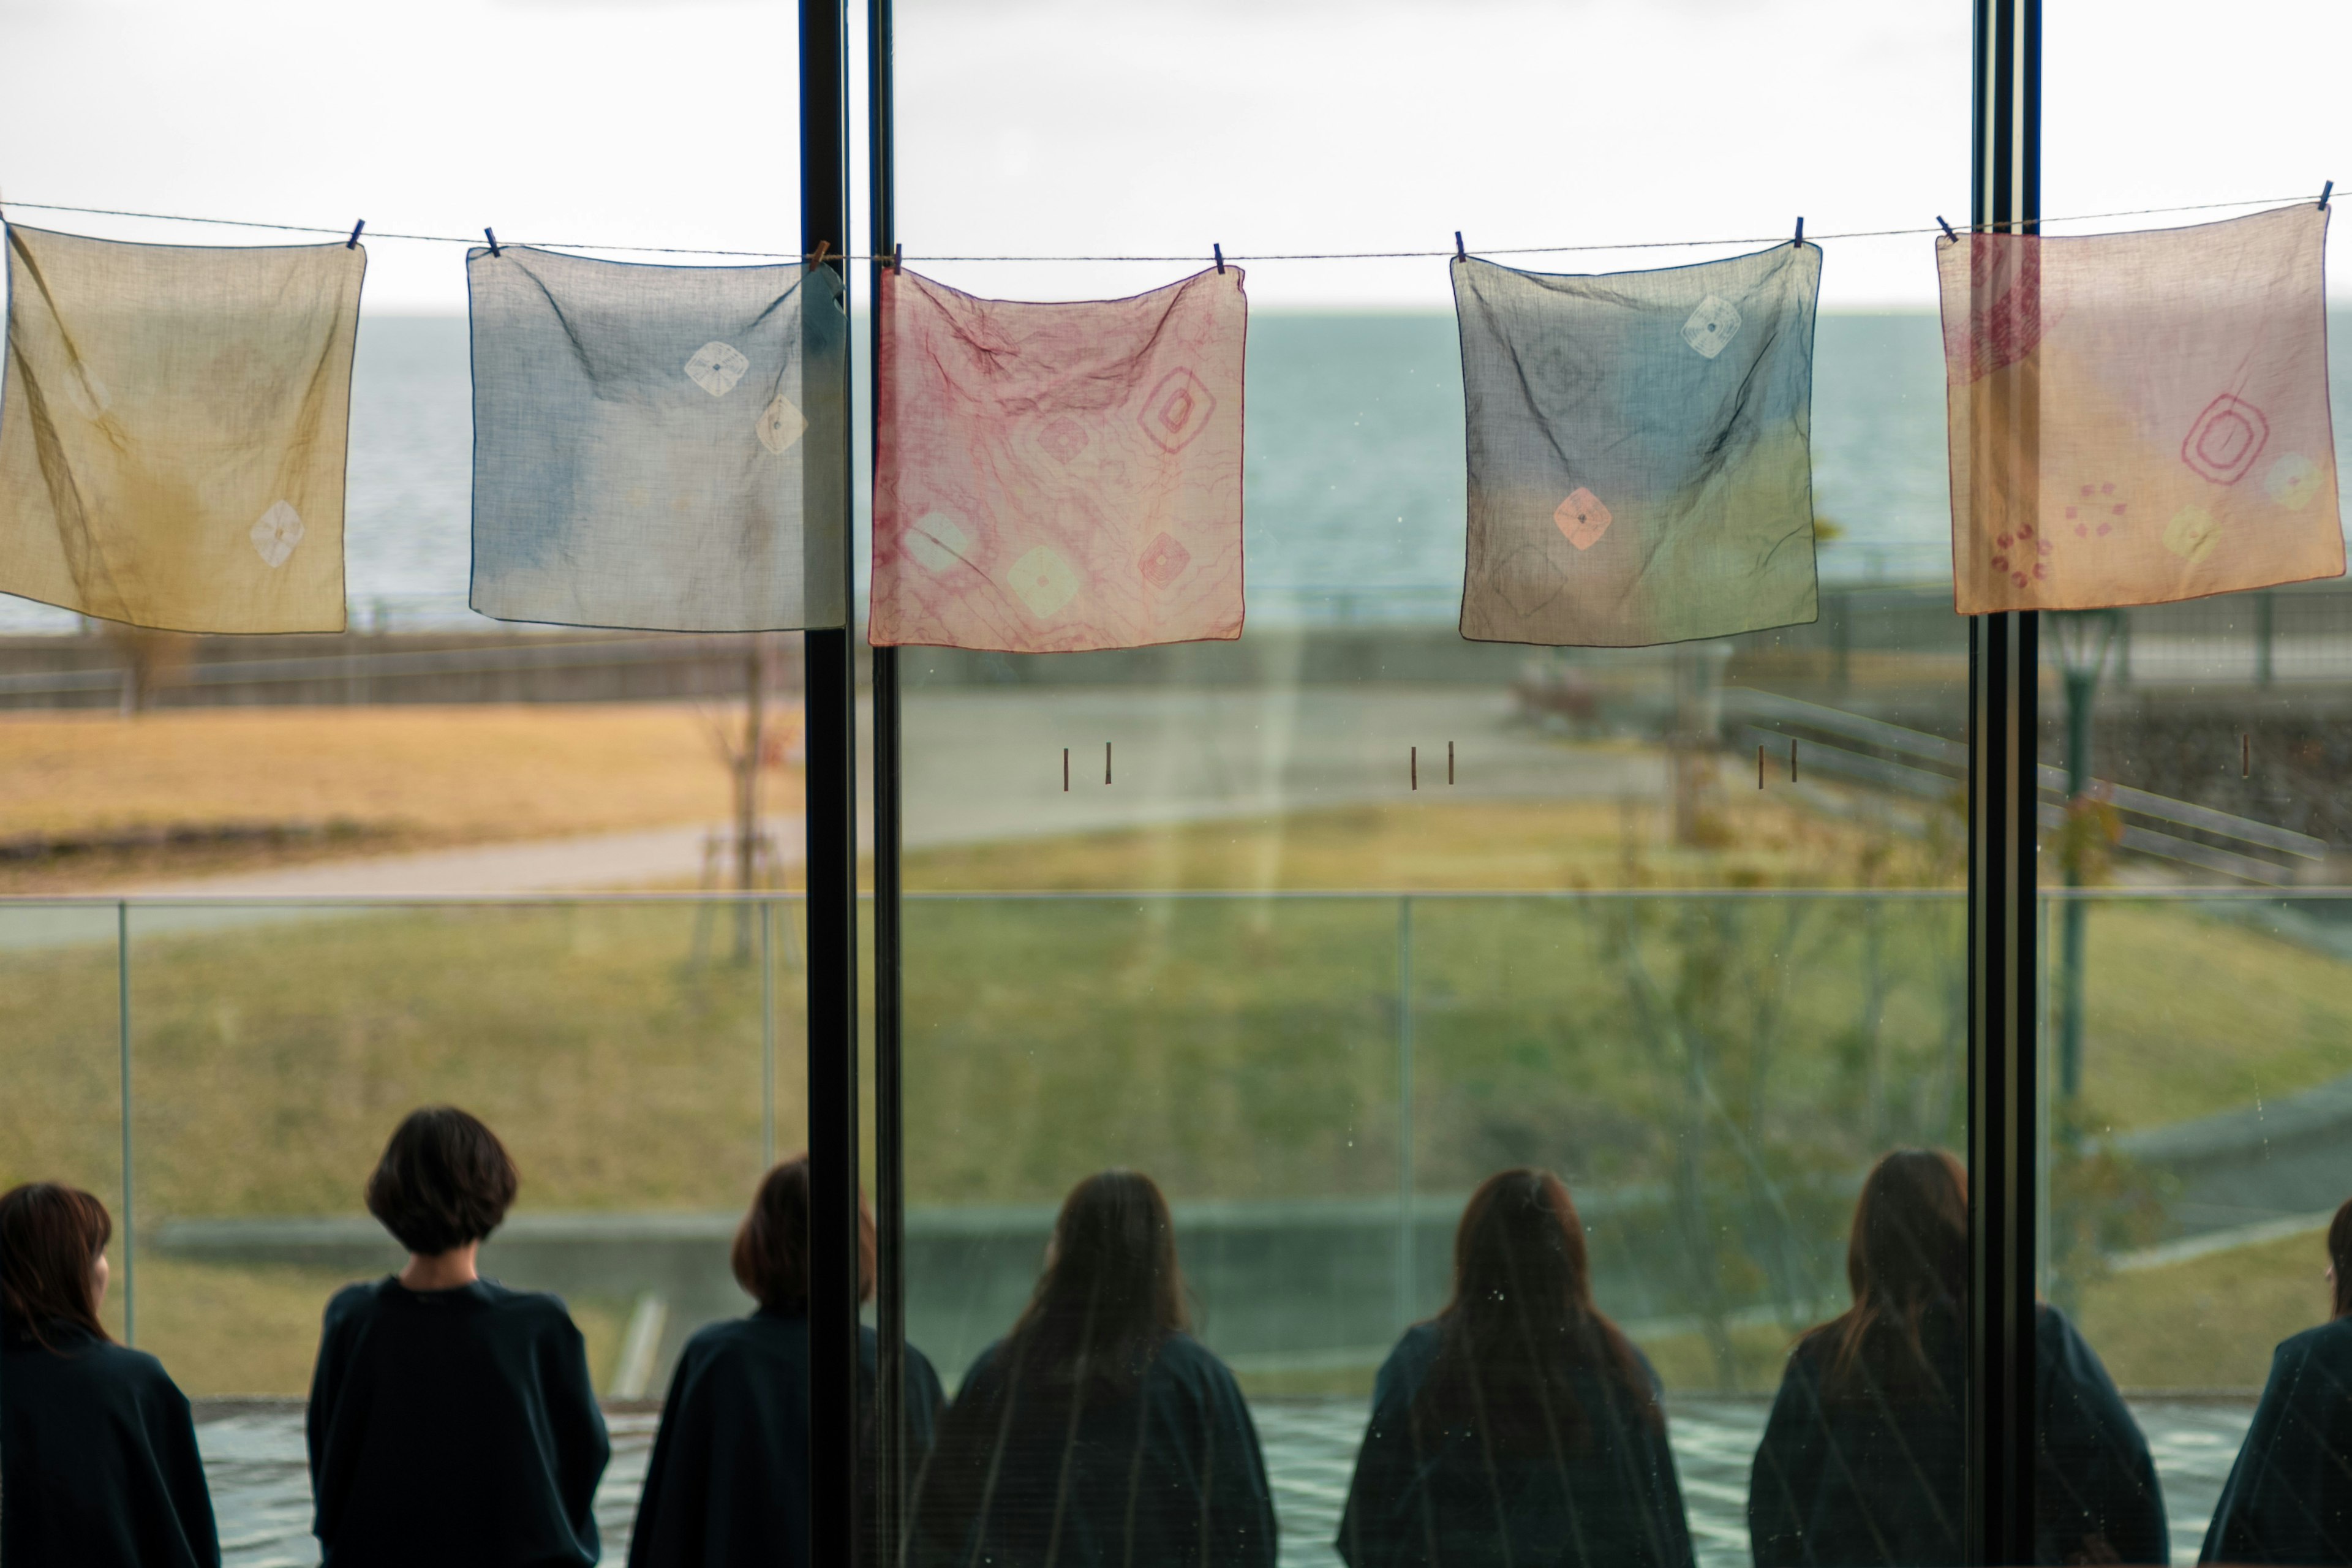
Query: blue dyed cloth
660	447
1639	450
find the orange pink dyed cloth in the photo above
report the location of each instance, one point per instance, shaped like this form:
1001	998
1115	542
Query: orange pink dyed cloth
2136	419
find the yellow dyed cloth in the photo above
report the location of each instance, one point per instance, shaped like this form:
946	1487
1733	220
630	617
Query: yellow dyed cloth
172	429
2137	418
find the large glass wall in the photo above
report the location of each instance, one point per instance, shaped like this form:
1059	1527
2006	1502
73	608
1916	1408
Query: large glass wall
2193	887
1323	930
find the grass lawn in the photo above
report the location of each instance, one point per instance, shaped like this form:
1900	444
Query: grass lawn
390	778
1238	1048
1766	840
2210	1321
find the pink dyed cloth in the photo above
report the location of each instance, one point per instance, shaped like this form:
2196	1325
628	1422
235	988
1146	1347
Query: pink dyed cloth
1049	478
2137	418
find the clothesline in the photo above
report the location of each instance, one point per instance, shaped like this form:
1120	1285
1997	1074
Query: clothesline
1203	258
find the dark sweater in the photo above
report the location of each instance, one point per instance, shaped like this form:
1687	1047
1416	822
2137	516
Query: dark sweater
1166	1476
456	1428
1869	1475
99	1465
1423	1499
2289	1499
728	1486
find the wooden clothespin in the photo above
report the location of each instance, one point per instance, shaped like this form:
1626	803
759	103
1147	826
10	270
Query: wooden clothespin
816	257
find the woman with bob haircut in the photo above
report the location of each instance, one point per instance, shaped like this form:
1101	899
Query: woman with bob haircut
728	1486
2286	1500
1518	1425
451	1420
1099	1432
99	1465
1862	1458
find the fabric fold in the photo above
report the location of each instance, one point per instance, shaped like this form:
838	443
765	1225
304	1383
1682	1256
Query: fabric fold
1054	477
1639	450
174	426
2138	418
658	448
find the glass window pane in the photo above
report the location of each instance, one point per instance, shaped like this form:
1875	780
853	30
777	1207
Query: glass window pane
1342	933
2191	880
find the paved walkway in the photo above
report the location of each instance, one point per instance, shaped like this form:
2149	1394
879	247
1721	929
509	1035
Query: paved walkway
261	1487
984	765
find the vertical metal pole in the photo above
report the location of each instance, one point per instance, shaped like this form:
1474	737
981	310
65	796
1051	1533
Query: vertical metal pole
2081	687
2265	616
2002	671
767	1036
889	1014
1407	1286
123	1040
831	706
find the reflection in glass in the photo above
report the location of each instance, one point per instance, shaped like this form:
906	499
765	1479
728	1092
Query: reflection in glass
1519	1425
1099	1431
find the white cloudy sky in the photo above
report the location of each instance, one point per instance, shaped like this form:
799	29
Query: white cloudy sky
1061	126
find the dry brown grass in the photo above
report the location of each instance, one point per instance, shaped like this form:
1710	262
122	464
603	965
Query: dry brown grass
394	777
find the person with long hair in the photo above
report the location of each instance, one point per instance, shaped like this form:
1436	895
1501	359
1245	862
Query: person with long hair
728	1486
1863	1457
2288	1500
452	1420
99	1465
1099	1432
1518	1425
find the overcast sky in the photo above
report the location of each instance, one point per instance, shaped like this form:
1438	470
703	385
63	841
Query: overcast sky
1063	126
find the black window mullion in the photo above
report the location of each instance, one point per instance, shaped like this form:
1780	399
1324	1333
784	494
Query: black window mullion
2003	686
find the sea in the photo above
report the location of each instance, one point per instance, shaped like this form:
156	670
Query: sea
1353	485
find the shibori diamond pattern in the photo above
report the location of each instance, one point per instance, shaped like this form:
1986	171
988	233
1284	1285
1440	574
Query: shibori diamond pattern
2138	418
1640	459
641	450
277	534
172	431
1056	477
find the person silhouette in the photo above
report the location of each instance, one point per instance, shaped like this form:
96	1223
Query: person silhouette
452	1420
2287	1499
98	1448
1519	1425
1861	1460
728	1484
1098	1431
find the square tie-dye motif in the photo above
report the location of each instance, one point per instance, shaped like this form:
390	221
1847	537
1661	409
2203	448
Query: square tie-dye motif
1060	477
1640	445
659	448
172	431
2137	418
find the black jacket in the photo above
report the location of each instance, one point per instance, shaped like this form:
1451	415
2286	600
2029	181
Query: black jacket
1873	1477
99	1465
727	1483
1166	1476
456	1428
2289	1498
1422	1498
